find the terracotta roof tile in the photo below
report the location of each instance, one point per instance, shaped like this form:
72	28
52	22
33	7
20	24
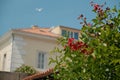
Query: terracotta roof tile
39	75
38	30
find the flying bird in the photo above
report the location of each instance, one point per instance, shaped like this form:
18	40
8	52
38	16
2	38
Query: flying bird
39	9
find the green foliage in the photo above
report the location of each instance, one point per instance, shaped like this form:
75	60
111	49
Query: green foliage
26	69
104	37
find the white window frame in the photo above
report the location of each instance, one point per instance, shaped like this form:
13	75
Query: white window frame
41	60
70	34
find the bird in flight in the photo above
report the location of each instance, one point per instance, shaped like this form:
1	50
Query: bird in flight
39	9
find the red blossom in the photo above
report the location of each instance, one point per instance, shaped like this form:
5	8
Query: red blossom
73	47
96	7
70	41
78	46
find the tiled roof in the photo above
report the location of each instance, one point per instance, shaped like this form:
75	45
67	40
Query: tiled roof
38	30
39	75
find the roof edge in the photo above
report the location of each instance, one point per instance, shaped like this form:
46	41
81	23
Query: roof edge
39	75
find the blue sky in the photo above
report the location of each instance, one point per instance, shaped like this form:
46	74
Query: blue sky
45	13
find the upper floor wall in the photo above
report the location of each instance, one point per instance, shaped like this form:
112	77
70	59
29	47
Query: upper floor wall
66	31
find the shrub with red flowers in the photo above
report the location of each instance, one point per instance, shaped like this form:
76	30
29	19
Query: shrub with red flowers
96	55
80	46
72	59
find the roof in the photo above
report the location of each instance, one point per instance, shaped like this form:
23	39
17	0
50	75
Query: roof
69	27
39	75
39	30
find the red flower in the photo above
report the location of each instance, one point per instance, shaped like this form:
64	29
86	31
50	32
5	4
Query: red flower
96	7
74	47
70	41
78	46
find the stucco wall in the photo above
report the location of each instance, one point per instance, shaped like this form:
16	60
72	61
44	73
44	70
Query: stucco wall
56	30
17	52
26	49
34	46
5	55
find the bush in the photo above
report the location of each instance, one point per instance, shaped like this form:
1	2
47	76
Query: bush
26	69
96	56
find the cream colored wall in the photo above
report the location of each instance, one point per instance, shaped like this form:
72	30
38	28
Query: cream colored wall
5	48
33	46
17	52
56	30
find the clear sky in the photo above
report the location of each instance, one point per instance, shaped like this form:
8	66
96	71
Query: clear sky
45	13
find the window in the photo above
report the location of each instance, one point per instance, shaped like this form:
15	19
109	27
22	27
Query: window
41	60
4	61
64	32
75	35
70	34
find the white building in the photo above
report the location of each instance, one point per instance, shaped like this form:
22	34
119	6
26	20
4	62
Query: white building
30	46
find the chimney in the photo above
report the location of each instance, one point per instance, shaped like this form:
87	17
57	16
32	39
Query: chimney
35	27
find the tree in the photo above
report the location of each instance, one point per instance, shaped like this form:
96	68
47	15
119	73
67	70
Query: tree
96	56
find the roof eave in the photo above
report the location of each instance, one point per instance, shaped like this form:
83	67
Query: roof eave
34	35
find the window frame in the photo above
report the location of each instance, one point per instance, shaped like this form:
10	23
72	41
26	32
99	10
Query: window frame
64	32
70	34
41	60
76	37
4	61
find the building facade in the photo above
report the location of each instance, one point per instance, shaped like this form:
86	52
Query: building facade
31	46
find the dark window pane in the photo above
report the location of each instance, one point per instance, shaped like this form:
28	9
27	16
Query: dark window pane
41	56
64	32
75	35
